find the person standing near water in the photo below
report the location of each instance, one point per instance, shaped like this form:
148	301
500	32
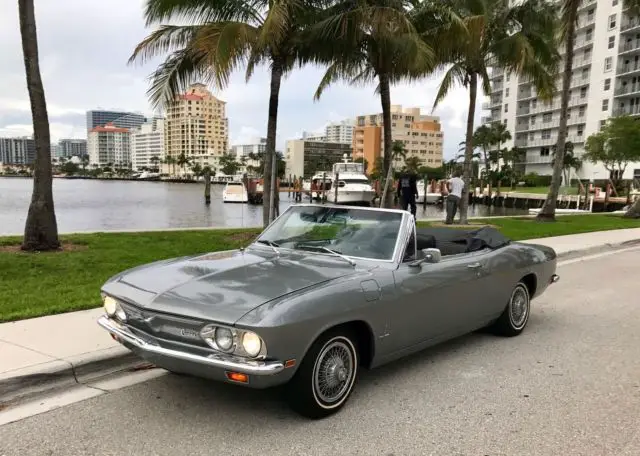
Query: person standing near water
408	191
455	195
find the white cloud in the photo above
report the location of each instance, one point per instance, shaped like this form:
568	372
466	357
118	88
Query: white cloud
84	66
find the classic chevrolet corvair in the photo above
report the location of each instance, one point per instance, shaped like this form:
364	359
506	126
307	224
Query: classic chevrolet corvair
321	293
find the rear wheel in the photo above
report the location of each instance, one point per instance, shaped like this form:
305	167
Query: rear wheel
325	379
516	315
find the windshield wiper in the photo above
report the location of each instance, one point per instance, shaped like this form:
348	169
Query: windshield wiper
271	244
328	250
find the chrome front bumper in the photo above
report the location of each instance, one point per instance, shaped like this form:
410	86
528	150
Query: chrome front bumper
250	367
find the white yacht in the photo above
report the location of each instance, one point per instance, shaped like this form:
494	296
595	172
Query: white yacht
353	185
314	185
235	192
432	197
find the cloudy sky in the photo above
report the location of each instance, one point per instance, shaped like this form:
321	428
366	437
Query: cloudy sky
84	47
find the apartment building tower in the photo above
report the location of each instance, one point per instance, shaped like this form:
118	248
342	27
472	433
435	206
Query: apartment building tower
109	146
422	137
17	151
605	82
147	142
196	125
119	119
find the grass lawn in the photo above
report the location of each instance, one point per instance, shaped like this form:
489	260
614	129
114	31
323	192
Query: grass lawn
39	284
541	190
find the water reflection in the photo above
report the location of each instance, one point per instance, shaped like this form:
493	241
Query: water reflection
91	205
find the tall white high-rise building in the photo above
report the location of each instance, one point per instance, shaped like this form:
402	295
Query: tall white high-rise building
339	132
605	81
147	142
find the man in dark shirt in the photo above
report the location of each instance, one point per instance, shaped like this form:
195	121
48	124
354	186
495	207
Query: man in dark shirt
408	191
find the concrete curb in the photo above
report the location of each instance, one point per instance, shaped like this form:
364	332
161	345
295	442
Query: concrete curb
23	384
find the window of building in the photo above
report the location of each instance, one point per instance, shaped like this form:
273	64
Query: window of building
612	22
533	120
583	92
580	130
581	111
602	124
614	2
589	34
546	134
608	63
506	92
605	105
544	152
504	121
546	117
612	42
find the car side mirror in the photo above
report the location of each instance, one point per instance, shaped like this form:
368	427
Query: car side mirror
427	256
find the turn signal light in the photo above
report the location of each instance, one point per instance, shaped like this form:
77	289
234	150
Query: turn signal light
237	377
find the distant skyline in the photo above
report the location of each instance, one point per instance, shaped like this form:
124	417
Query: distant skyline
84	67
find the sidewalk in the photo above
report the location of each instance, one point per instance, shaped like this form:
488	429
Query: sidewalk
45	353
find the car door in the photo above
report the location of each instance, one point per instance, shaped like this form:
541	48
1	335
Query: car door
439	299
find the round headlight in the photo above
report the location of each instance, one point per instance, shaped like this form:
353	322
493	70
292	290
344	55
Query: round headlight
224	338
251	343
110	306
121	314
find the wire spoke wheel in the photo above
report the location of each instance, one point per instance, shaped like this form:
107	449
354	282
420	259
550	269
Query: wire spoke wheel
333	372
519	307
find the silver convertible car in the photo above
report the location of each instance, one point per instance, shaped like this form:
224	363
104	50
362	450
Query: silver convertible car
322	292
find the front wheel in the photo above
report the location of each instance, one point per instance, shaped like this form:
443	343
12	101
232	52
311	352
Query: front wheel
325	379
516	315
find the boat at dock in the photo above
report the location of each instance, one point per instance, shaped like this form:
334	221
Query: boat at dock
431	196
353	185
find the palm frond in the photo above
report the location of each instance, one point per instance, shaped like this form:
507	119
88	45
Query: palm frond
204	11
167	38
456	74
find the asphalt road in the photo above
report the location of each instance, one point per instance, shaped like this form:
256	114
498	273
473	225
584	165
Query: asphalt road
569	385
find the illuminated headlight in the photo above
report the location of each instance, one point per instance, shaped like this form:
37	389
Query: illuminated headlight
251	343
233	341
110	306
224	339
113	308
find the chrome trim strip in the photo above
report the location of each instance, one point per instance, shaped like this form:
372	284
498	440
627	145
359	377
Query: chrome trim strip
247	367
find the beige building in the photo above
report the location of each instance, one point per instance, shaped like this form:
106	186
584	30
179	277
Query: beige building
196	125
421	134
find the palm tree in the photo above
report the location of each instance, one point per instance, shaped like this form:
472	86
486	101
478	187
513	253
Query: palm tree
570	161
41	227
398	152
520	39
370	41
182	161
412	164
222	36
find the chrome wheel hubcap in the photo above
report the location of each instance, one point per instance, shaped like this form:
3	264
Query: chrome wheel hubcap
333	372
519	307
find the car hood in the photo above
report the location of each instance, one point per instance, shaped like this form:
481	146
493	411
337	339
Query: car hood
223	286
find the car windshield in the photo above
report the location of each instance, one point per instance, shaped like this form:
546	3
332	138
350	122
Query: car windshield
361	233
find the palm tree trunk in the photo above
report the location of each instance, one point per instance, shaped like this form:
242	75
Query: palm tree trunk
270	147
548	211
468	148
634	210
41	228
385	98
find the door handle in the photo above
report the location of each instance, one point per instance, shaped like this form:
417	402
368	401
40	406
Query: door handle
474	265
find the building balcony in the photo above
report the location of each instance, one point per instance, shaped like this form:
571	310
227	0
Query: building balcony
581	62
629	89
490	119
496	87
586	21
627	111
629	68
586	3
578	44
547	142
554	123
630	26
630	47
